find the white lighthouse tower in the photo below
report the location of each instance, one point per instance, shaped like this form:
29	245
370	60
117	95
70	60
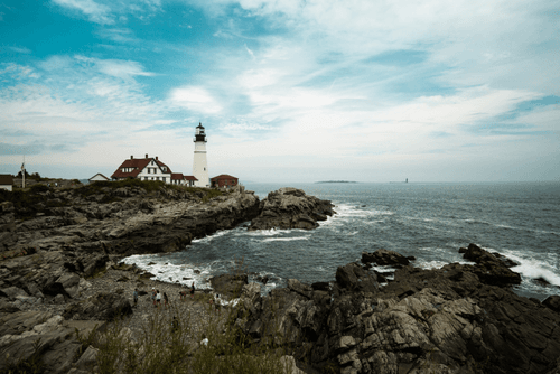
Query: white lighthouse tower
200	167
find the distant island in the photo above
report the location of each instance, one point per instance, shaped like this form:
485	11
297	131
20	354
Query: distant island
336	182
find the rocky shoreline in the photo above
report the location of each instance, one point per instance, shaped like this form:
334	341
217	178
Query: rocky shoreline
60	274
60	249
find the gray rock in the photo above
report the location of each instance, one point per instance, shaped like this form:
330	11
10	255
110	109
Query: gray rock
290	208
102	306
440	321
88	359
13	292
385	257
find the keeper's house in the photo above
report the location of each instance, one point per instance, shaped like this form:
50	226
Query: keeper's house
225	181
150	169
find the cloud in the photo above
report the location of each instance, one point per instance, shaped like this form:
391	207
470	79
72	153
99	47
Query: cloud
122	69
32	148
195	98
96	12
120	35
21	50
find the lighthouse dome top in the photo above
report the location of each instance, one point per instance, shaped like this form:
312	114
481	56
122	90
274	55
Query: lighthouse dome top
200	136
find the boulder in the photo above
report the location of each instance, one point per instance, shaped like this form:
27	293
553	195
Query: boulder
490	269
290	208
353	277
384	257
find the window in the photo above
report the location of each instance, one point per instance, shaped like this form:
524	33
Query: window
149	171
163	179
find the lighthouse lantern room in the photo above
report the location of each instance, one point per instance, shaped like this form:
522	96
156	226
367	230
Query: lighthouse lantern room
200	167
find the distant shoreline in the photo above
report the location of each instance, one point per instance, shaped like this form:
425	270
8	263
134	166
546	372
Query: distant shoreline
340	181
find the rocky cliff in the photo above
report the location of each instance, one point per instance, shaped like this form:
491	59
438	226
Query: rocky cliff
459	319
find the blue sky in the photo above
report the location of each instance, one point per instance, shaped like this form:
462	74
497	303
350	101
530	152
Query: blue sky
288	90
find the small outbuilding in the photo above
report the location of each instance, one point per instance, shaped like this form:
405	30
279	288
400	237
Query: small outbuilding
6	182
225	181
178	179
98	177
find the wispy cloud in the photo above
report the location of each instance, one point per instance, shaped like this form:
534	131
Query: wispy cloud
96	12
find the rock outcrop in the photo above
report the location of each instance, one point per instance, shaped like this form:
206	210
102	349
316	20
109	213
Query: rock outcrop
39	339
139	222
290	208
448	320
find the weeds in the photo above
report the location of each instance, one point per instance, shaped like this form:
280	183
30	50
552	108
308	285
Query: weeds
175	341
32	365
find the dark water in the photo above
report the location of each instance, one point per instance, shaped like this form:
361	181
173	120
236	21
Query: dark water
428	221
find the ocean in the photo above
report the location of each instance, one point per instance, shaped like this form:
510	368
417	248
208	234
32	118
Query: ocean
429	221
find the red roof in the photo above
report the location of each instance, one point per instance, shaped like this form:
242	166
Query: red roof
180	176
138	164
224	176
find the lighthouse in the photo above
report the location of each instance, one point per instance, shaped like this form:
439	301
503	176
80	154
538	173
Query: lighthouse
200	168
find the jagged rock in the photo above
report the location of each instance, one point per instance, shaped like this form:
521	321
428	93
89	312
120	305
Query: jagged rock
441	320
490	269
230	285
385	257
353	277
290	208
88	359
102	306
13	292
552	302
52	344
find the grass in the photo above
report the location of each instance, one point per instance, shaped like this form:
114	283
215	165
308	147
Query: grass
32	364
165	347
39	198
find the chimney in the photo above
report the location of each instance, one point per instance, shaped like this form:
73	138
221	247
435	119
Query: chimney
131	157
156	158
146	155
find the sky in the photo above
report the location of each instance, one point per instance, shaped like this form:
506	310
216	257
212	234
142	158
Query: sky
288	90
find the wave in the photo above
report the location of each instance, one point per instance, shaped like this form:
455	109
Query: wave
286	239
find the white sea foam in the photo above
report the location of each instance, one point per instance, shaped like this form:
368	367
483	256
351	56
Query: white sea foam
172	273
286	239
209	238
533	268
271	232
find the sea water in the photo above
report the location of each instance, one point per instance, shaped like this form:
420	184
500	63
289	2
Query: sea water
429	221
